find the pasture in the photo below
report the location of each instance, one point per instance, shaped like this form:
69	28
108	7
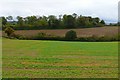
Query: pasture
55	59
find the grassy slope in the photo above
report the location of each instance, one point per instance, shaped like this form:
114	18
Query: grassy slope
35	59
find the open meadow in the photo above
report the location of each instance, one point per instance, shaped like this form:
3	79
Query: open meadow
59	59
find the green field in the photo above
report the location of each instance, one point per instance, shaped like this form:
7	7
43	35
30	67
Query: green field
55	59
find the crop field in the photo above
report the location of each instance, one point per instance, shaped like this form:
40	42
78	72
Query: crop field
85	32
59	59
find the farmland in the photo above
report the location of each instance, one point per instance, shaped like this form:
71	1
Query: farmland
83	32
55	59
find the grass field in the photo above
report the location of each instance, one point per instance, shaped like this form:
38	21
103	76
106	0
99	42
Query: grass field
54	59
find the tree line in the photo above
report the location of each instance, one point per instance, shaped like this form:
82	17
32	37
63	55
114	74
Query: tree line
52	22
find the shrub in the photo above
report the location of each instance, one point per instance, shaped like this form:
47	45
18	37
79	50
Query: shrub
100	25
43	36
9	31
94	38
39	36
116	37
17	36
71	35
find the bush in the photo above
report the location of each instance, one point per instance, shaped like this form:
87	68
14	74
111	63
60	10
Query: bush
39	36
100	25
9	31
43	36
116	37
16	36
98	38
92	38
71	35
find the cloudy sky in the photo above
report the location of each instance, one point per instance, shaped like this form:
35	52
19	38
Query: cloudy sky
105	9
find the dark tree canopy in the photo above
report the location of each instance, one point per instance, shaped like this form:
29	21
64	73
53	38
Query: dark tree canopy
69	21
52	22
4	21
102	22
9	31
71	35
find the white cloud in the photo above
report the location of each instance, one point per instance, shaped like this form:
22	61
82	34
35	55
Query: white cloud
105	9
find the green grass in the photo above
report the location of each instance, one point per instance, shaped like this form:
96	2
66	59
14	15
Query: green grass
55	59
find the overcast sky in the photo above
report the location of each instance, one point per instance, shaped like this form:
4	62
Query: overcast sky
105	9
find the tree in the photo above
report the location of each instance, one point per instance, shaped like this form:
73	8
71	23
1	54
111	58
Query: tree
42	23
97	20
53	22
69	21
60	17
4	21
20	21
88	24
81	21
31	20
61	24
74	15
102	22
71	35
10	18
9	31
